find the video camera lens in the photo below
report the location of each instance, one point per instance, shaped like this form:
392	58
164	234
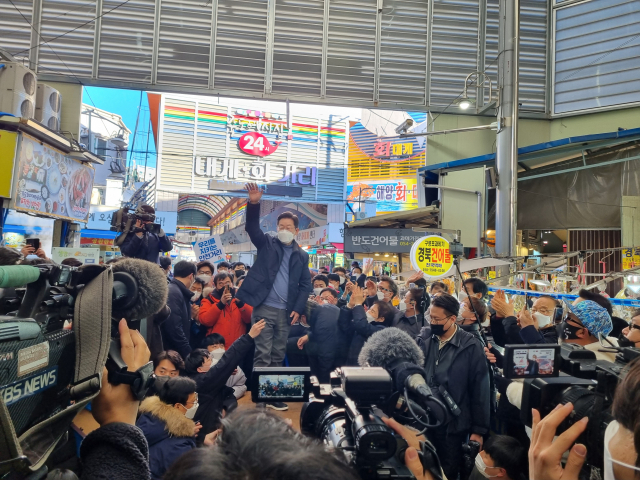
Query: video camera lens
373	439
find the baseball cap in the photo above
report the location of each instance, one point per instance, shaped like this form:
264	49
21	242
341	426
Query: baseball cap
594	317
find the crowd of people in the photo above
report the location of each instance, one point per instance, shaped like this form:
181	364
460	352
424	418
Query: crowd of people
224	320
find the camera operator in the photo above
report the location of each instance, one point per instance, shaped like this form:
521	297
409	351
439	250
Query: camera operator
454	360
118	449
141	243
620	462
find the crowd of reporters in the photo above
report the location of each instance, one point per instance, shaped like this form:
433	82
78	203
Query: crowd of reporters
223	320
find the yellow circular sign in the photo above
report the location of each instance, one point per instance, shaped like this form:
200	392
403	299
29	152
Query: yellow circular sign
431	256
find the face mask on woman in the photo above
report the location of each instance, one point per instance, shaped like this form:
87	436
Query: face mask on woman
609	433
370	318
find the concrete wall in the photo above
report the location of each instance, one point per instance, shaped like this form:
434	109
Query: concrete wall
446	148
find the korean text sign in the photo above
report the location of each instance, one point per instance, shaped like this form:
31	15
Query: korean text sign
210	249
431	256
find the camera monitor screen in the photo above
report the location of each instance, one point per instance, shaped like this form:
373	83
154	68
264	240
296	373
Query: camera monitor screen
281	384
532	361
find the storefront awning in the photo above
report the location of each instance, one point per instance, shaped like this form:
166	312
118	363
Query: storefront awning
97	237
418	217
14	229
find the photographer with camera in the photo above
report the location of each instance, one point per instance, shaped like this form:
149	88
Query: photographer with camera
455	363
146	240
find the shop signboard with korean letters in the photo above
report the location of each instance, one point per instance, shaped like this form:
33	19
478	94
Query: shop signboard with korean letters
385	240
202	144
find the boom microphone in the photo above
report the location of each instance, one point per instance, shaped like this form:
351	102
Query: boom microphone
398	353
139	289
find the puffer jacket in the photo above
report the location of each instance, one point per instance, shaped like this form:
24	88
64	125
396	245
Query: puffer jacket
168	432
228	320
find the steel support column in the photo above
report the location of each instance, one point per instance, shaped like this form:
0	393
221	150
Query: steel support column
506	141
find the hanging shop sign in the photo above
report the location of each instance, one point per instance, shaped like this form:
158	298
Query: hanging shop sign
431	256
381	240
100	219
8	148
390	195
50	184
258	121
242	170
630	258
329	233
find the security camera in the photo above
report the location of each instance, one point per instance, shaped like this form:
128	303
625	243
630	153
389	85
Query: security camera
404	126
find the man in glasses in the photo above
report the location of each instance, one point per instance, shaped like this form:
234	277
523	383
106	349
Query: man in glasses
538	325
454	360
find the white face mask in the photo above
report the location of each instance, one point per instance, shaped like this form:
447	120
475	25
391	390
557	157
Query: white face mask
191	412
609	433
196	297
285	236
216	354
402	306
543	320
462	296
205	278
482	467
342	280
317	291
370	318
380	295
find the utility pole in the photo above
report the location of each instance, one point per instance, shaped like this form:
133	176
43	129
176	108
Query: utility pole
507	138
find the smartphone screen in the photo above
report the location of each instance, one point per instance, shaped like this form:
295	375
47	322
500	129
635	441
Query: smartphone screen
34	242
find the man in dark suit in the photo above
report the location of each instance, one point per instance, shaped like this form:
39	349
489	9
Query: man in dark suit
533	367
278	284
176	330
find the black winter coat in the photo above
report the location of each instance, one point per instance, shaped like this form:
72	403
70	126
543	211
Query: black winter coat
259	280
327	339
353	322
176	329
147	247
211	386
462	369
530	335
115	451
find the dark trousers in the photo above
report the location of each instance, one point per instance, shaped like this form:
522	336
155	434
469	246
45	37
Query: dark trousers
449	449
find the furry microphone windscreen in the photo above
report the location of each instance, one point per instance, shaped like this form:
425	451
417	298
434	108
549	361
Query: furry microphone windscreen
388	345
152	288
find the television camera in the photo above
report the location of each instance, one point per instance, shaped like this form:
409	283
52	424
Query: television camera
124	220
589	384
56	335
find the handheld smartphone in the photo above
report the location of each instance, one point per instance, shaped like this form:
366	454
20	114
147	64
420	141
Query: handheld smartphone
353	278
34	242
532	361
280	384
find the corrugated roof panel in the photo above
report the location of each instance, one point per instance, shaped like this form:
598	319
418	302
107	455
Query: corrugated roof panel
297	49
597	55
184	42
533	55
73	49
241	45
351	49
403	52
126	41
454	48
15	31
